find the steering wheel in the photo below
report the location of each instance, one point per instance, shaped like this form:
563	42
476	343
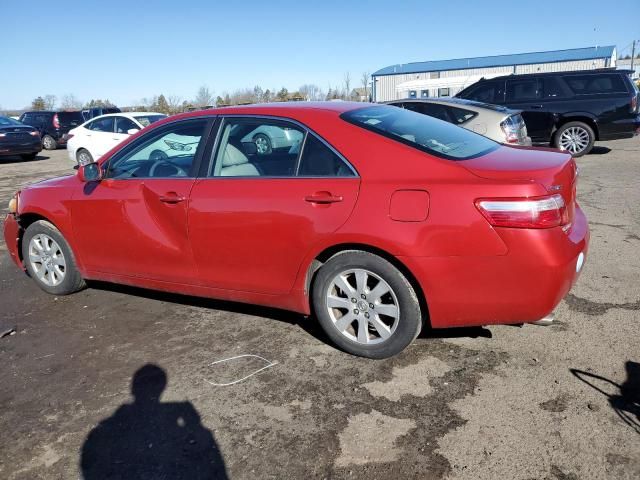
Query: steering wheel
179	171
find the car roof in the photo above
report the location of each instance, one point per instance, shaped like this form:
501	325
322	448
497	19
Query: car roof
128	114
461	102
546	74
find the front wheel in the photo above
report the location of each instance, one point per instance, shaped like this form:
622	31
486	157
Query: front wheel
365	305
84	157
49	259
577	138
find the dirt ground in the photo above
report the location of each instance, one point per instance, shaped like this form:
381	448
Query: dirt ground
559	402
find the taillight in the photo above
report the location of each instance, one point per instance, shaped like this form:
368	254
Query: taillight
34	133
539	212
56	122
634	104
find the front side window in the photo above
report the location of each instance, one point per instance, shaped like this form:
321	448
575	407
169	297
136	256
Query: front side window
102	125
595	83
256	147
486	93
169	151
421	132
523	90
146	120
124	124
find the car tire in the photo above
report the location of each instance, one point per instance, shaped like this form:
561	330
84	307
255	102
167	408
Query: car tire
83	157
27	157
49	259
263	144
341	313
576	138
49	143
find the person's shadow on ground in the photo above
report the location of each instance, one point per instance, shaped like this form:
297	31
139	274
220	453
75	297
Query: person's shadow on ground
148	439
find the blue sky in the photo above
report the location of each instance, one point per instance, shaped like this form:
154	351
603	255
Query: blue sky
126	50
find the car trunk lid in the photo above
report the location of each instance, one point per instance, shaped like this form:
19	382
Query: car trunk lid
555	171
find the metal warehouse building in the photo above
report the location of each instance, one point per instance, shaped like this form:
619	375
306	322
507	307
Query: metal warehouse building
443	78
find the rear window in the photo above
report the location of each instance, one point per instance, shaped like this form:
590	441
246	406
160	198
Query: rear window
146	120
422	132
68	117
595	83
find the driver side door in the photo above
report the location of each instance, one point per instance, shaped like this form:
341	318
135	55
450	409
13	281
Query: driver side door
133	223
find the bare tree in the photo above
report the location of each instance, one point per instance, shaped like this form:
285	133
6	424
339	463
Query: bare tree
175	103
347	85
69	101
365	84
204	97
311	92
49	102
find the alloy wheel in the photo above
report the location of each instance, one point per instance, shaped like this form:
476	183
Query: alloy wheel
574	139
84	158
47	260
262	144
362	306
47	143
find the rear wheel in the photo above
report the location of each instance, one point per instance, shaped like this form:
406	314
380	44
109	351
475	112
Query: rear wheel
49	143
83	156
29	156
577	138
49	260
366	306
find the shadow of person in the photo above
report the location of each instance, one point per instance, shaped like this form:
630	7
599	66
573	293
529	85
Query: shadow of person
148	439
626	402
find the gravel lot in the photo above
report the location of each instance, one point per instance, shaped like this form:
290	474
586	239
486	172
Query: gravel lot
559	402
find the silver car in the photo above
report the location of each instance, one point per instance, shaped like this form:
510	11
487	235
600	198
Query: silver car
493	121
270	137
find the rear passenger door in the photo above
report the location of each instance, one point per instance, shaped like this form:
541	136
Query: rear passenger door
101	136
526	94
254	216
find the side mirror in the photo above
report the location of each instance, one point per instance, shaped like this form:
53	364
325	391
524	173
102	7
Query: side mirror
90	172
133	131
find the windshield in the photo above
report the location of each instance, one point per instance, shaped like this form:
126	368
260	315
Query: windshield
425	133
146	120
5	121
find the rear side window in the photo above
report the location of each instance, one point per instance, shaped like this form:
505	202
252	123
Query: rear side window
523	90
124	124
318	160
595	83
421	132
552	87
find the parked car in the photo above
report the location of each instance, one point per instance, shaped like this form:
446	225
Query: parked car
89	113
499	123
89	141
567	110
53	126
18	139
268	138
386	220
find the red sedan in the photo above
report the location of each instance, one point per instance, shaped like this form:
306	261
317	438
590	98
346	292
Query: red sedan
377	219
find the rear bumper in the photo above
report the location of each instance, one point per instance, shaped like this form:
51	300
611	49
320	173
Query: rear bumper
20	148
522	286
11	238
625	128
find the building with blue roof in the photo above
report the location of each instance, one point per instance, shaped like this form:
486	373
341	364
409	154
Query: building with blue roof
442	78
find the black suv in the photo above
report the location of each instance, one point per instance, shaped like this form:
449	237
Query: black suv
53	126
569	110
89	113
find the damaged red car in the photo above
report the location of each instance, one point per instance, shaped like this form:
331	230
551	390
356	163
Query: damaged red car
377	220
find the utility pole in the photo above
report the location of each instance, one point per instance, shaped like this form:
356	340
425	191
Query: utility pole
633	53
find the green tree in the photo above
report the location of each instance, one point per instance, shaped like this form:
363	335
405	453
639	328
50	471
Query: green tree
219	101
38	104
163	105
282	95
267	96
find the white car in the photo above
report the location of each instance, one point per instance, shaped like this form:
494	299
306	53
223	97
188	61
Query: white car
88	142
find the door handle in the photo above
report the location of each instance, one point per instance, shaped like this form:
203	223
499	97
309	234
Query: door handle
323	198
172	198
